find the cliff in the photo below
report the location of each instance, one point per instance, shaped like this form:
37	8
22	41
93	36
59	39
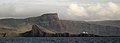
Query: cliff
37	31
50	22
79	27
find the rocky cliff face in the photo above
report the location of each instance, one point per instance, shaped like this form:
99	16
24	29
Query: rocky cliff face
79	27
51	22
37	31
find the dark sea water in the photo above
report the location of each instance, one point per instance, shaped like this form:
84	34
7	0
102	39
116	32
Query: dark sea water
60	40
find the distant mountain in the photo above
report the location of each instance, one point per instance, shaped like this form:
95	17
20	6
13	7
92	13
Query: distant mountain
50	22
115	23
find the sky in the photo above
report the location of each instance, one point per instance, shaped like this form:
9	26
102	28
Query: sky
66	9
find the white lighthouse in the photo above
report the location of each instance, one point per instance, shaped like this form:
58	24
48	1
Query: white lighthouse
85	32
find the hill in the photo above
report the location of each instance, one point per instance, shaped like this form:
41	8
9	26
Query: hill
50	22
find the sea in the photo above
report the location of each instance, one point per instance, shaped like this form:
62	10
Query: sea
59	39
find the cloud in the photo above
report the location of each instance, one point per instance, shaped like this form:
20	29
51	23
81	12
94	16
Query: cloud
95	8
113	7
110	10
99	11
77	10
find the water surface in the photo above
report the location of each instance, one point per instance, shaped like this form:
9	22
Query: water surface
60	40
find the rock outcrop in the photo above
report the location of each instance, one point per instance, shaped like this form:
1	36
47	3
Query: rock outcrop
49	21
38	31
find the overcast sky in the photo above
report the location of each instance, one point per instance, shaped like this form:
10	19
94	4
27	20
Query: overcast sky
66	9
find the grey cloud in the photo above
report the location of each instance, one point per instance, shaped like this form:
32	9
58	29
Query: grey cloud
28	8
96	12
